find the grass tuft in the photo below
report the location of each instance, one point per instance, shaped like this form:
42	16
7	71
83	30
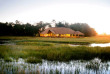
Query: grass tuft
33	60
7	59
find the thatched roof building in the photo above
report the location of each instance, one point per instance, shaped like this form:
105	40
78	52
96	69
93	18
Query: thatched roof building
60	32
78	33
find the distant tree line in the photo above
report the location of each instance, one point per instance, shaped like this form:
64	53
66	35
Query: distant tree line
19	29
82	27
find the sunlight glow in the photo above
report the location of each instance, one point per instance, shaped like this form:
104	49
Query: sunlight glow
94	15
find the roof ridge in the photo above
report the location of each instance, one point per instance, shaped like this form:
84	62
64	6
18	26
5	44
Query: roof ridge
52	31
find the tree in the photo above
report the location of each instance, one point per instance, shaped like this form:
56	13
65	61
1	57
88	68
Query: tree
84	28
18	29
17	22
60	24
42	26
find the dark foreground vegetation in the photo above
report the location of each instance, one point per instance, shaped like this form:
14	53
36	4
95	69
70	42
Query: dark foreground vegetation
20	29
34	49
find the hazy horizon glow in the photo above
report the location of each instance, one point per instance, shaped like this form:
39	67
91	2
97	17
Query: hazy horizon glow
95	13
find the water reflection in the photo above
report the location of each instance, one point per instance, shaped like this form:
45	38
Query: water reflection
6	42
100	45
94	66
94	45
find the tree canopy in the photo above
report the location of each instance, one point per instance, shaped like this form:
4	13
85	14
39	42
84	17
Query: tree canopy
18	29
84	28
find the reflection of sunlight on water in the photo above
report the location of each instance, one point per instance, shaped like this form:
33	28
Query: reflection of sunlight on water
100	45
94	45
51	67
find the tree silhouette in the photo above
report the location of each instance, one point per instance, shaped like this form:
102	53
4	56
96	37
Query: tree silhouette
84	28
19	29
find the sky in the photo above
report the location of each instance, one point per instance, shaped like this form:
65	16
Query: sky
96	13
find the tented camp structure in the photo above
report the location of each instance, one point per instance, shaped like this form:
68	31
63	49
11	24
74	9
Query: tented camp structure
60	32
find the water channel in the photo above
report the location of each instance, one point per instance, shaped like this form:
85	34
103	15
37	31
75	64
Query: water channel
6	42
93	45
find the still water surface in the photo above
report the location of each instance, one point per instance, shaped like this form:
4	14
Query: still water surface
94	45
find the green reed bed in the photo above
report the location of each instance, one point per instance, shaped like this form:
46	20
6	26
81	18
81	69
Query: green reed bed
60	53
34	49
96	39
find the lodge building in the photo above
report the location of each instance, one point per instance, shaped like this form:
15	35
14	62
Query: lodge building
60	32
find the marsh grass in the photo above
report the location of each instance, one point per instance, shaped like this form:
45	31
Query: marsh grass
53	53
33	60
34	43
96	39
54	49
8	59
